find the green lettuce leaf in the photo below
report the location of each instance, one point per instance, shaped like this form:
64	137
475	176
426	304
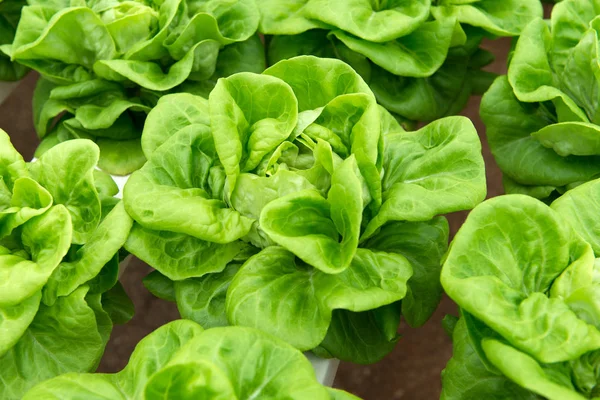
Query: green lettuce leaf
374	279
182	360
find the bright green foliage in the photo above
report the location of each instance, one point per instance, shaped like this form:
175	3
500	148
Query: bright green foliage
291	202
421	58
59	263
104	64
526	278
10	12
182	361
543	118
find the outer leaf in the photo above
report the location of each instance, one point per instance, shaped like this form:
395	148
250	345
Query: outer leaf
246	56
194	380
377	21
14	321
580	206
201	58
160	286
179	360
152	354
362	337
423	244
179	256
421	182
120	157
72	36
61	338
283	372
526	371
466	377
524	159
118	305
305	294
539	192
203	299
506	18
406	56
524	247
86	386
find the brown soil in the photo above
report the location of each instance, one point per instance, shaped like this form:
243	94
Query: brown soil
411	372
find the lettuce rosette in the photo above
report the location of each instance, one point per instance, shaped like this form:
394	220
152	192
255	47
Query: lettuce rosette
10	12
291	202
60	236
525	276
182	361
422	59
105	63
543	118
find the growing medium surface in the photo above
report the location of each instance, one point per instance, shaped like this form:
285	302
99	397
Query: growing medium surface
542	119
291	202
60	235
526	278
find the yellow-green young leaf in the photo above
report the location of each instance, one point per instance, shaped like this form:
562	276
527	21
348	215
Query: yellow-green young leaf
40	246
250	116
322	232
172	191
67	172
